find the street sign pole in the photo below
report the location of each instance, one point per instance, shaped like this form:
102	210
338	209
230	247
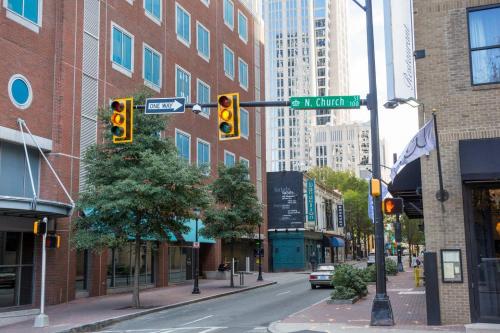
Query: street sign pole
42	320
381	314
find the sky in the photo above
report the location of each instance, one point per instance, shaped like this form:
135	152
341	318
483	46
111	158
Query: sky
398	125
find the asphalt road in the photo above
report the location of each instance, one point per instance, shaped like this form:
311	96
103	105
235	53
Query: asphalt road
250	311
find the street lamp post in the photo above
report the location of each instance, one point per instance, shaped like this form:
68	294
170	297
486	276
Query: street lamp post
259	278
196	290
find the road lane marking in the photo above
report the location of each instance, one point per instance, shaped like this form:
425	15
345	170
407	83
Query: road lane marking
197	320
417	292
283	293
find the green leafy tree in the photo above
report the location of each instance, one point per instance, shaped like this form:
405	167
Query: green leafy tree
412	233
136	190
237	211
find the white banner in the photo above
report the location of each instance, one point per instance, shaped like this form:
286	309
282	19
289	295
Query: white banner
399	46
421	144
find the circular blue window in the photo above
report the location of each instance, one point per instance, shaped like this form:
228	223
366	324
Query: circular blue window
20	91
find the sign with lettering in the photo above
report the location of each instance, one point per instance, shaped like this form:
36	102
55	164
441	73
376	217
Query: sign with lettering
399	47
340	216
285	191
311	204
325	102
165	105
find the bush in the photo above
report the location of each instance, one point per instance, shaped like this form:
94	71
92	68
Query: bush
349	277
342	292
370	274
391	268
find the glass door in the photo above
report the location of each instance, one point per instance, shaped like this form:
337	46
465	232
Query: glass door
485	245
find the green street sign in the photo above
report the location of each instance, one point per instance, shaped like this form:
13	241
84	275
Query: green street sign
325	102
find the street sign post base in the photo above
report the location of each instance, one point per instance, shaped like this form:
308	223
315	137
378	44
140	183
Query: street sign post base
42	320
381	311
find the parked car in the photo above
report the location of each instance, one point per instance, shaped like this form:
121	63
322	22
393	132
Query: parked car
371	259
322	276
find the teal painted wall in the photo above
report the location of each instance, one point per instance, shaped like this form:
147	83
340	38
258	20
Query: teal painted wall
287	251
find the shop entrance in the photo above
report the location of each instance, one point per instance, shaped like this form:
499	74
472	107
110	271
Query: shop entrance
16	268
484	241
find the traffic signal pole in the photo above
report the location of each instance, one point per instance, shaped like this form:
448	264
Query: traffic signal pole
42	320
381	314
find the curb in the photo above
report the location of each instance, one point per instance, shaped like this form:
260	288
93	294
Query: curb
110	321
271	329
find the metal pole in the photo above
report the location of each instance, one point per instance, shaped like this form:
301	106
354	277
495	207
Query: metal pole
196	290
381	314
42	320
442	195
397	227
259	278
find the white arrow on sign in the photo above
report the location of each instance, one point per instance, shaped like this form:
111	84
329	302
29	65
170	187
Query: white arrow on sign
176	105
165	105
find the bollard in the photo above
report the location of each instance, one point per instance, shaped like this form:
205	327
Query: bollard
416	272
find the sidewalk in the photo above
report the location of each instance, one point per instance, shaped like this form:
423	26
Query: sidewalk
408	306
86	314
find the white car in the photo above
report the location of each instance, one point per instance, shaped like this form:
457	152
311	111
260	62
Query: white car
371	259
322	276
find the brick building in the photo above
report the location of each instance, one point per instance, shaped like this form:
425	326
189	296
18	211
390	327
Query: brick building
459	78
63	60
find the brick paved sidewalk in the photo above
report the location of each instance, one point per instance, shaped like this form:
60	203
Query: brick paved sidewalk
408	306
88	311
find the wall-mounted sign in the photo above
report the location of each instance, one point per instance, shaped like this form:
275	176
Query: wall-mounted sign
451	266
340	216
399	45
311	204
285	199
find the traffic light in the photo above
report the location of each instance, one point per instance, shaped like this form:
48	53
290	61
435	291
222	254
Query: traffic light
122	120
53	241
39	227
228	111
392	206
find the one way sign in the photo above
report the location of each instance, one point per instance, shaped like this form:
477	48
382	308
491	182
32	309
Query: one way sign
165	105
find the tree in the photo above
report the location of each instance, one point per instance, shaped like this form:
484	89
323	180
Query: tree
412	233
136	190
237	211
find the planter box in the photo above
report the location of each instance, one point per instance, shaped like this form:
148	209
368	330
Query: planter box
343	301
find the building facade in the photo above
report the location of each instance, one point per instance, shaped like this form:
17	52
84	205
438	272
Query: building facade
65	60
459	79
305	222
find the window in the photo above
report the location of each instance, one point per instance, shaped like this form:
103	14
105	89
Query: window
229	13
228	62
14	174
203	154
244	122
122	50
202	41
20	92
229	159
152	68
203	96
153	9
183	143
183	25
182	83
243	73
246	162
484	39
242	26
25	12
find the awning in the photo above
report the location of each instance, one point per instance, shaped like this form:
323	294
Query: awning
479	159
408	185
337	242
190	235
25	207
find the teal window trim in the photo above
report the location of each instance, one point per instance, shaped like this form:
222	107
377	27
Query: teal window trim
203	153
243	73
151	67
25	12
182	83
182	25
203	96
203	41
183	147
153	10
242	26
122	49
244	123
228	62
228	9
229	158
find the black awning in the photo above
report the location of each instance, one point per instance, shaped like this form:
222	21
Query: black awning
408	185
480	159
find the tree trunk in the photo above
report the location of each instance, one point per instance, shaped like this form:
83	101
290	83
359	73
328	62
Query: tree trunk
135	295
409	254
366	246
232	262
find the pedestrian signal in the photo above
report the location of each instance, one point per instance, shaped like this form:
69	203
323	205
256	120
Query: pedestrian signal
392	206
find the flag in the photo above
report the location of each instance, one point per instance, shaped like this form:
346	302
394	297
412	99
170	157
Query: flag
421	144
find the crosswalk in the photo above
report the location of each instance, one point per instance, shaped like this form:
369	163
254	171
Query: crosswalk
197	329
